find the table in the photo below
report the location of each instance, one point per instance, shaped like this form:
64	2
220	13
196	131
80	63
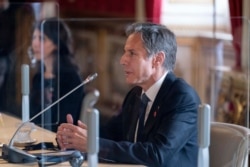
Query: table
66	164
8	126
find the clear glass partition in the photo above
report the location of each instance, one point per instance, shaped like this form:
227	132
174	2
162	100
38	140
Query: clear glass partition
93	46
80	47
18	21
230	76
216	63
60	53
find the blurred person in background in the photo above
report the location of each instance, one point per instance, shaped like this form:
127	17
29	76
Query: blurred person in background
16	19
57	74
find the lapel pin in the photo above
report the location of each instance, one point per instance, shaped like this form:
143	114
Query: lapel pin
155	113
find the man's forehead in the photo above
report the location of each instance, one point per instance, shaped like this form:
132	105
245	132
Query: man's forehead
134	38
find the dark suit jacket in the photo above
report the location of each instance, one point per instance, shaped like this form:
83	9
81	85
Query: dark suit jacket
170	134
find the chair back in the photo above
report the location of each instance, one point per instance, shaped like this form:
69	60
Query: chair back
228	145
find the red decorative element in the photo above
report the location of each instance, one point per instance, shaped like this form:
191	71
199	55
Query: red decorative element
236	13
155	113
100	8
108	8
153	10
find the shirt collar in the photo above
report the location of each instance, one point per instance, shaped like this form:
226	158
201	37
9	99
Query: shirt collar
153	90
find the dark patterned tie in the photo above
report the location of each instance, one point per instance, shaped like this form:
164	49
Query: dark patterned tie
143	106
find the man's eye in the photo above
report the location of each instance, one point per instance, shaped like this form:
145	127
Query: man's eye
132	53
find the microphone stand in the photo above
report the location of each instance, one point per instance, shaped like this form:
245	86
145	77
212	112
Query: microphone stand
91	118
11	154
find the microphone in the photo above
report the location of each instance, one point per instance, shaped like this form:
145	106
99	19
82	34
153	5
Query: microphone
11	154
25	93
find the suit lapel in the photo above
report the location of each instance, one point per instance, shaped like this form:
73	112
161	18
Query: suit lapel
155	109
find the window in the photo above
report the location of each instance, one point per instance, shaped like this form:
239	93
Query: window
193	15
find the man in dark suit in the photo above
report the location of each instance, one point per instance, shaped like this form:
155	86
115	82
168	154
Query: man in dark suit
169	136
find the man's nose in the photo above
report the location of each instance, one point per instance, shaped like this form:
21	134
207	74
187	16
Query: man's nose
123	59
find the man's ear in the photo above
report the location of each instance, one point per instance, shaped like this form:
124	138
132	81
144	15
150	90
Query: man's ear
158	59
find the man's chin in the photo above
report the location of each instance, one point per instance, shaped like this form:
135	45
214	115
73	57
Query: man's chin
130	82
